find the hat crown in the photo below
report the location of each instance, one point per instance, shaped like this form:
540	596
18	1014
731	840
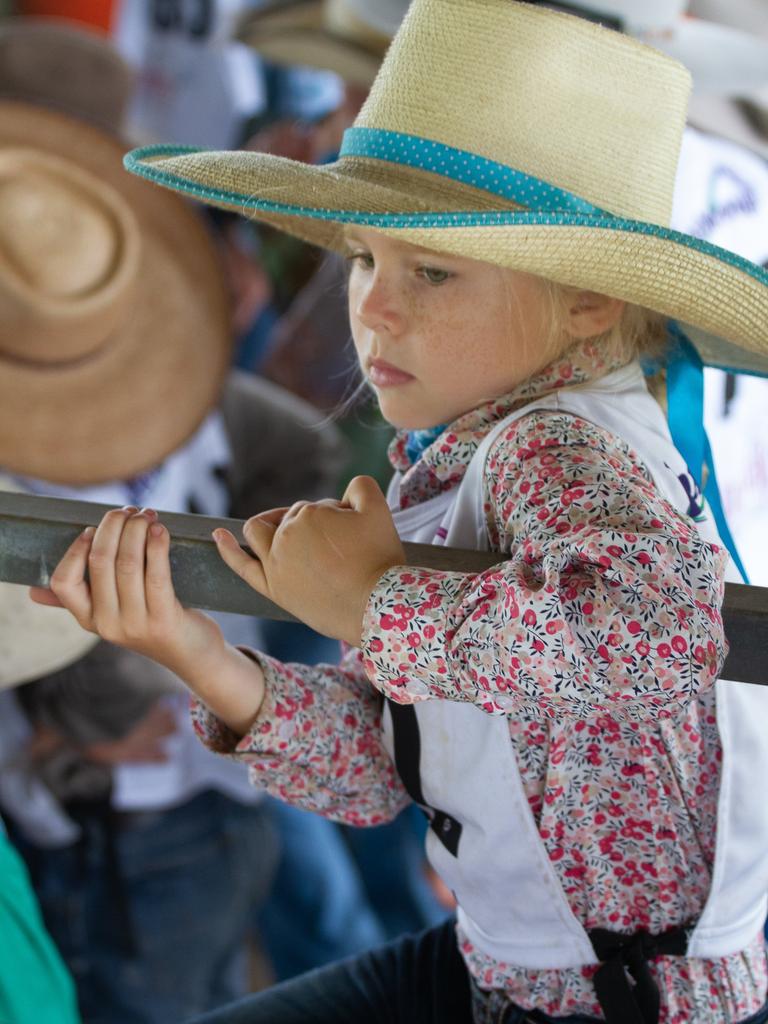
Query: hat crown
64	66
69	253
57	241
582	107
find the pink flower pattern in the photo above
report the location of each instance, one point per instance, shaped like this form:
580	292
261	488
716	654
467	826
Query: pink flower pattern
599	638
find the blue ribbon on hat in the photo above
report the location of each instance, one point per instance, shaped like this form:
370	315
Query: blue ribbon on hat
466	167
685	415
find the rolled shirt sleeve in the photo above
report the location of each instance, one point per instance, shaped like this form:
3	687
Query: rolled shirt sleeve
316	742
605	603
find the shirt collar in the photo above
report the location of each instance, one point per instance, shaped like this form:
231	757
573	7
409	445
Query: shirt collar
443	463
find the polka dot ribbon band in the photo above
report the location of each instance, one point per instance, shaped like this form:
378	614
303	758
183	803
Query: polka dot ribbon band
468	168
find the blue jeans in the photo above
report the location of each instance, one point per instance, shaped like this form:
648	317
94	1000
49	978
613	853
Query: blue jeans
317	910
391	861
155	930
328	902
415	978
418	979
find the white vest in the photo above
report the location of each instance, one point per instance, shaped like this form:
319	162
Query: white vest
511	903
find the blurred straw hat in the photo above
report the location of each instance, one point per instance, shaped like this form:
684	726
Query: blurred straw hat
115	316
82	250
747	123
561	163
70	69
35	639
747	15
349	37
728	119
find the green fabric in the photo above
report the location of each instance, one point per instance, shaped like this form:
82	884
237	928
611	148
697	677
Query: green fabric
369	436
35	987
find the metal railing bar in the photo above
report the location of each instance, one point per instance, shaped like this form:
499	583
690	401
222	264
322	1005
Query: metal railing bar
35	531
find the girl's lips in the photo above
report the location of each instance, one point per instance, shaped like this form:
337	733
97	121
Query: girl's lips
384	375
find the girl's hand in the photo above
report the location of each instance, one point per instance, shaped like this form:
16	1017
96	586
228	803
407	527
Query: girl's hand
129	599
320	560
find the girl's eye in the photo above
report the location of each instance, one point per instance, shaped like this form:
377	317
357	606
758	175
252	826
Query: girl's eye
434	275
361	257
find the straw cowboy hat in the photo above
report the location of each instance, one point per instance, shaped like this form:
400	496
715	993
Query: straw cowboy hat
724	58
64	67
561	163
349	37
115	316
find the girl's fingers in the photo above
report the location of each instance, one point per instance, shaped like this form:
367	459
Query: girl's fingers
68	587
130	567
101	564
159	584
41	595
363	493
273	516
239	561
260	532
294	510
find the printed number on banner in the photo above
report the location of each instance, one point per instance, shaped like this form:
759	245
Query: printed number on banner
193	17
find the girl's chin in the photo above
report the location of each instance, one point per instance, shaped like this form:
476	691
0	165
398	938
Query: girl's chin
404	416
410	423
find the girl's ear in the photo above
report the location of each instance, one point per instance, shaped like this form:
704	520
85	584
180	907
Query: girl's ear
590	314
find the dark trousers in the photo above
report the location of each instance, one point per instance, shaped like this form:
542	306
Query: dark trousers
417	979
155	931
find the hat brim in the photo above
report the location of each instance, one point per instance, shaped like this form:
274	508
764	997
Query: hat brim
297	34
719	294
279	17
122	410
316	48
35	639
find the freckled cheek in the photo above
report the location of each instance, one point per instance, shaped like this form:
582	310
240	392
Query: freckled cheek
440	350
450	381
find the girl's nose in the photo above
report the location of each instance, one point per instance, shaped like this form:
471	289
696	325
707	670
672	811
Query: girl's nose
379	305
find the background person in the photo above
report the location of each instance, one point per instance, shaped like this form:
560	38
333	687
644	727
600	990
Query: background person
148	854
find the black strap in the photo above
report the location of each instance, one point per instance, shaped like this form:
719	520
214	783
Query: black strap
407	744
624	985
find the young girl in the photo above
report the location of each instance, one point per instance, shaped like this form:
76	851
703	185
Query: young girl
589	785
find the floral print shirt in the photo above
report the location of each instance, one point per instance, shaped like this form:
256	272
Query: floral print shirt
599	638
